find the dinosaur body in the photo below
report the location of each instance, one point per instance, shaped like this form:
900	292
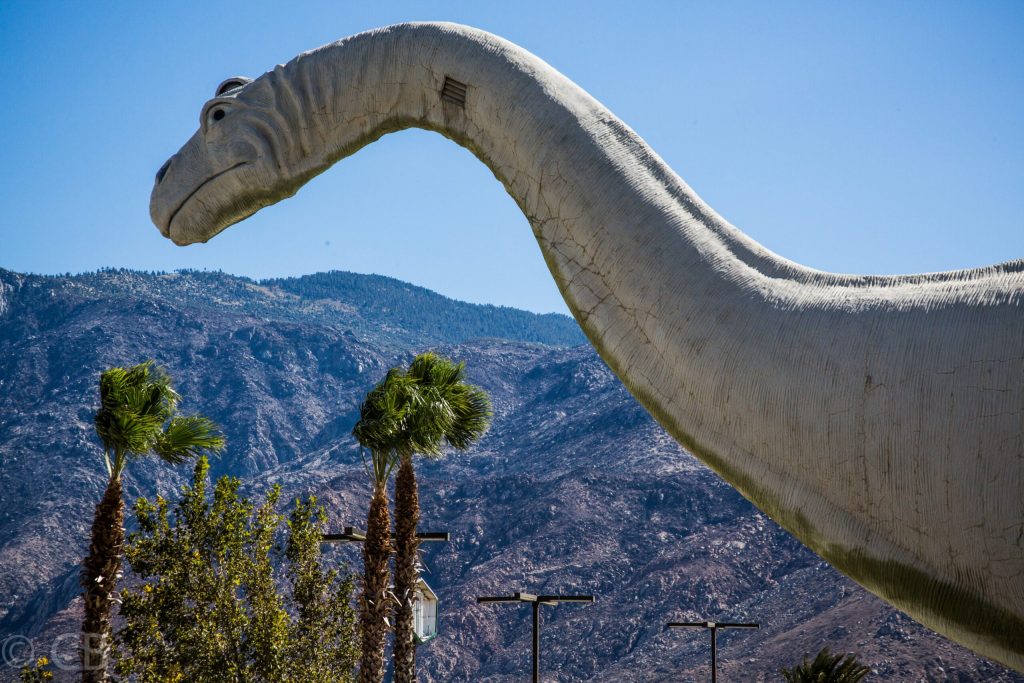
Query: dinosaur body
879	419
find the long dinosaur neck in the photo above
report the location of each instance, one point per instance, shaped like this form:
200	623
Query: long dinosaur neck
818	396
624	237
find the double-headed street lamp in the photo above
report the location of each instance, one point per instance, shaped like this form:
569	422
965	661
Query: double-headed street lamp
712	626
537	601
425	605
353	535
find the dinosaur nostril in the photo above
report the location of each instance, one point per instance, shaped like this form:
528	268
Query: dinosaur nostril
162	172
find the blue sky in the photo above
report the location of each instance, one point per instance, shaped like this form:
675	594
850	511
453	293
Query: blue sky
854	137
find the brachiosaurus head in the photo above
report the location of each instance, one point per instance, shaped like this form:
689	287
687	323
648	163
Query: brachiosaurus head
243	157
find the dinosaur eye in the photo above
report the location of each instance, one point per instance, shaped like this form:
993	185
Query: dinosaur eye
212	113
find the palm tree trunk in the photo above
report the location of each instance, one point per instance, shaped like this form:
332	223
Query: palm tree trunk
99	579
407	517
374	601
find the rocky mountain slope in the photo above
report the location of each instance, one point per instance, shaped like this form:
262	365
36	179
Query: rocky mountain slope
575	489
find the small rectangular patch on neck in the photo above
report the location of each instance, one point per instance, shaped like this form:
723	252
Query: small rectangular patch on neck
453	91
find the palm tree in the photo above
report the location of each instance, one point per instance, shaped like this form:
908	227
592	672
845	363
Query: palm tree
381	417
827	668
446	409
409	412
137	417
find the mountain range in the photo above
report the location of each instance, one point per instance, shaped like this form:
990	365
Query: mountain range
574	490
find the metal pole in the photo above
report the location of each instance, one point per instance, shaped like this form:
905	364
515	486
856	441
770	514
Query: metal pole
714	654
537	601
713	627
536	642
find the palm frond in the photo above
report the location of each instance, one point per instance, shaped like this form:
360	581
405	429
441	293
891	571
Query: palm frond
186	438
137	416
827	668
382	416
128	431
418	410
473	414
431	369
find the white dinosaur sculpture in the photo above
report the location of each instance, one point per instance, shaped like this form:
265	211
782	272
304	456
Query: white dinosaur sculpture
879	419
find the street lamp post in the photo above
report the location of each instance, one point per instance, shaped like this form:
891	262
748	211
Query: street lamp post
713	626
536	601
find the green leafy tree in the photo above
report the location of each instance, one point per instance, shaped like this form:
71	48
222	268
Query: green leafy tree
411	412
210	607
137	418
40	673
827	668
322	637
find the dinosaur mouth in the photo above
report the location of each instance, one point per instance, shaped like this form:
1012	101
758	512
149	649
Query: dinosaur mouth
170	221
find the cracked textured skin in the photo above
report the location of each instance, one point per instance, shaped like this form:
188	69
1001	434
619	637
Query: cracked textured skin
877	418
